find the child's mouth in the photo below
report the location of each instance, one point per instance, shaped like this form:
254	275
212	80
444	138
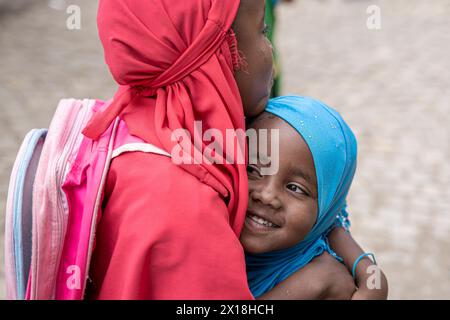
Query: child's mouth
258	223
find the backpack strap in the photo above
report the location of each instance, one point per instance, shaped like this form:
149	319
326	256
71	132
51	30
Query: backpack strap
84	188
18	222
125	142
142	147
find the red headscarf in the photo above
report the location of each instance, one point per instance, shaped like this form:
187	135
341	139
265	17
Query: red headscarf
174	62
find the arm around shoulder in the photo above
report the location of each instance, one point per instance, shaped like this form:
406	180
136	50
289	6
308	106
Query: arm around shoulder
323	278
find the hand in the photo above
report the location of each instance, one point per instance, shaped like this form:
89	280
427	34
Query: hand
339	282
330	279
323	278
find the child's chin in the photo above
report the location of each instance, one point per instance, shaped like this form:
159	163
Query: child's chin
252	246
254	250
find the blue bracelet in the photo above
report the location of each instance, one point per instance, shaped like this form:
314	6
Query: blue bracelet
359	259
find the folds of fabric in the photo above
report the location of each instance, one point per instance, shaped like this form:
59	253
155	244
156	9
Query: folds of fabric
174	62
164	235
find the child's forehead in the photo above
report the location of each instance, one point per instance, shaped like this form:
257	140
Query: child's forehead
264	119
269	121
288	135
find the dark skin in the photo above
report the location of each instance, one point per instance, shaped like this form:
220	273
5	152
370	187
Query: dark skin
254	83
288	201
256	79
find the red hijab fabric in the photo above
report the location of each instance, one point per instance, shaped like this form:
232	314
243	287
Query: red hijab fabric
174	62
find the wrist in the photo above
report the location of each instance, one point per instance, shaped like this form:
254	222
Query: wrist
361	264
371	292
370	280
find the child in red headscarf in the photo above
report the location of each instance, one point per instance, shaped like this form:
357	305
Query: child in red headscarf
171	231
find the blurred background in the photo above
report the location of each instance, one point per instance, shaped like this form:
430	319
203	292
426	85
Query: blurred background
388	75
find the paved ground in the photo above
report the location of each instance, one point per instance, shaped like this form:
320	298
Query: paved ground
392	85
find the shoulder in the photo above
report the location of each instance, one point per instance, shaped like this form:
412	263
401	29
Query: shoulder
145	165
139	170
140	181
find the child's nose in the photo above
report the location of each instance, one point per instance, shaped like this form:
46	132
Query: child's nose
267	196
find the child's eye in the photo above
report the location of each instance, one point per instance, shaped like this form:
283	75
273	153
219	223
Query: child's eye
295	188
266	30
253	171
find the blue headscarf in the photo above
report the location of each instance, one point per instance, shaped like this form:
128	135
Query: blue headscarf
333	147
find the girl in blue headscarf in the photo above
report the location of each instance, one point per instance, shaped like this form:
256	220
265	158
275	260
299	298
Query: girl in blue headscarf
290	213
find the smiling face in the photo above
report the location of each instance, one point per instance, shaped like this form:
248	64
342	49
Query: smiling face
256	80
282	208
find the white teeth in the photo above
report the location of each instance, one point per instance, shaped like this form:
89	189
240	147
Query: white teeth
262	221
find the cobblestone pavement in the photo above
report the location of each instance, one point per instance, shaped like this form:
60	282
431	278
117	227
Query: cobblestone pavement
391	85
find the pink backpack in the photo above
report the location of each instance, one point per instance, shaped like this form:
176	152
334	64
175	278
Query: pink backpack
54	202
